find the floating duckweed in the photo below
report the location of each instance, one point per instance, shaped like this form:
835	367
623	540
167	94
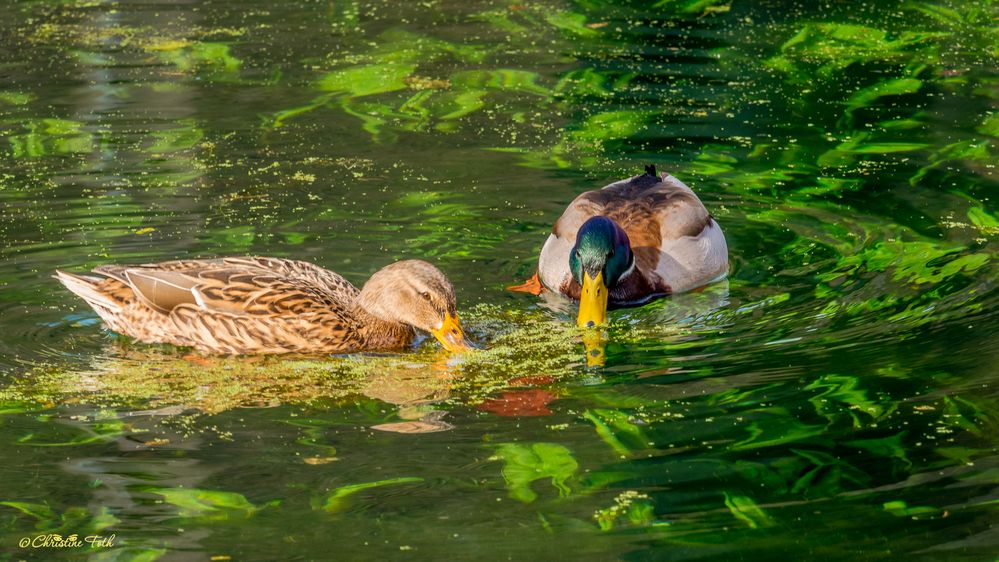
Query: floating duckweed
526	344
634	505
837	382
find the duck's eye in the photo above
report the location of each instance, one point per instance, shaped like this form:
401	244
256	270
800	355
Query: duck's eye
611	254
425	295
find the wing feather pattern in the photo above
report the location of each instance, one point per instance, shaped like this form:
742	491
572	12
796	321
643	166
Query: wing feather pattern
230	305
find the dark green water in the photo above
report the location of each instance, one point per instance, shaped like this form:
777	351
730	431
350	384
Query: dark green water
834	399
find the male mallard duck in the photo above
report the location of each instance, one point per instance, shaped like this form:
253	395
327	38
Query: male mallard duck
270	305
630	242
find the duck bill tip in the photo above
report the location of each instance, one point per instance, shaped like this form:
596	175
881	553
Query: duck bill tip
451	335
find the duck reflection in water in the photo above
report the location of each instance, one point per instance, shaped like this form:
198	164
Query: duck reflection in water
680	312
415	389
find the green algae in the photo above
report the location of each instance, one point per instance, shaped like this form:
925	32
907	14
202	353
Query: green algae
337	501
207	504
630	508
157	377
524	464
745	510
836	388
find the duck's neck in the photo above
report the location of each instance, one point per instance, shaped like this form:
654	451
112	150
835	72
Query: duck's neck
377	332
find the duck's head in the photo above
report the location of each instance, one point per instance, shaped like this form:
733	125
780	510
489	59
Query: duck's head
601	257
417	294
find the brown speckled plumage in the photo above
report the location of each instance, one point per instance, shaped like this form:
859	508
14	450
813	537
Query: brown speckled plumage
249	305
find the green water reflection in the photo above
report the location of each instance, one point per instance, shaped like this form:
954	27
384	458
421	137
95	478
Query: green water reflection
833	399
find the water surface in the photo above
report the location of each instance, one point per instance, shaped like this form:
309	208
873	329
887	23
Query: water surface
833	399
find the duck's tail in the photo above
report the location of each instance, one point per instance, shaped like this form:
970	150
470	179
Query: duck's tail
86	287
650	178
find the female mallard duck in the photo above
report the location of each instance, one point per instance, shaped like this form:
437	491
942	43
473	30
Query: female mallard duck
630	242
270	305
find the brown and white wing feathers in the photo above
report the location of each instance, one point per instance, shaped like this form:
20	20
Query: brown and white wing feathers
229	305
692	251
162	290
252	286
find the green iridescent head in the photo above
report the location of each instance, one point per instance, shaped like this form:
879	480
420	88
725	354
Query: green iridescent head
601	256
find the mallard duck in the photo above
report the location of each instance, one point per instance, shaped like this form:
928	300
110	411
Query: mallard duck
628	243
248	305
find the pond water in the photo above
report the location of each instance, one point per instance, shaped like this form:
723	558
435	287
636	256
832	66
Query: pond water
835	398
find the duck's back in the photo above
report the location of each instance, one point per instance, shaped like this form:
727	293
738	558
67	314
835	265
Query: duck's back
256	286
227	305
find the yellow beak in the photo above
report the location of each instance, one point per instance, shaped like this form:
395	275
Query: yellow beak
451	335
592	302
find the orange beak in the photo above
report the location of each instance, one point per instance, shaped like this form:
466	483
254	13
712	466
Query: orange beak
451	335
